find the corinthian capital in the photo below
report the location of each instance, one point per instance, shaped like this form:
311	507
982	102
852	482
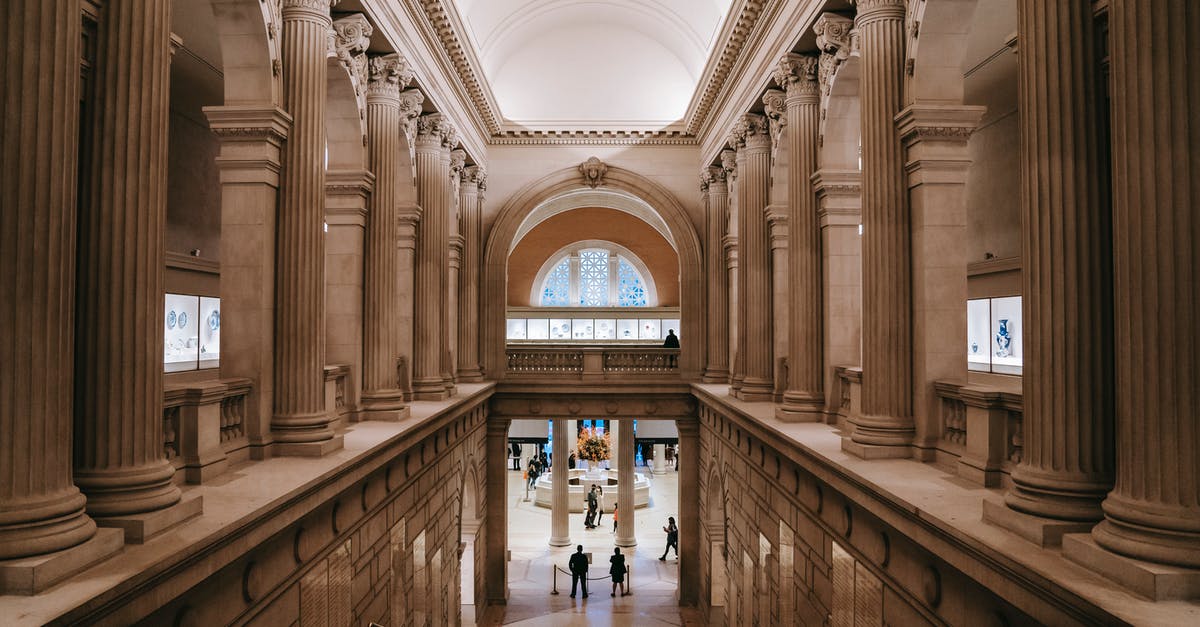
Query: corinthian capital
833	33
883	9
710	175
307	9
432	128
776	110
475	174
388	74
797	73
458	161
729	163
351	36
749	129
452	137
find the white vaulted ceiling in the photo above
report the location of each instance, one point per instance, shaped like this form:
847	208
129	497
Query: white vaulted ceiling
593	63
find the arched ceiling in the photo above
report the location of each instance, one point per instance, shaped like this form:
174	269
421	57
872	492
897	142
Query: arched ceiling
593	63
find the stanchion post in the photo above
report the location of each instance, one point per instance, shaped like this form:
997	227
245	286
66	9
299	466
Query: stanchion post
554	577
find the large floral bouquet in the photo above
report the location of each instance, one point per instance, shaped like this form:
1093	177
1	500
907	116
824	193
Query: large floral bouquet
593	446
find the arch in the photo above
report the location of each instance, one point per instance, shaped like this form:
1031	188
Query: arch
718	575
611	199
841	126
345	118
248	51
553	260
566	180
938	49
470	583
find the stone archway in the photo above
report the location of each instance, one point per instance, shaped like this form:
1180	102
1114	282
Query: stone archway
568	180
716	523
248	51
942	28
469	528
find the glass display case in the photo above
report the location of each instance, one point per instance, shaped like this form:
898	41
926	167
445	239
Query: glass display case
560	329
606	329
181	337
650	329
210	332
538	329
582	329
994	329
627	329
583	325
516	329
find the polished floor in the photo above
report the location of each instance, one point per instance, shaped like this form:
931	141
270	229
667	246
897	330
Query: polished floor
653	584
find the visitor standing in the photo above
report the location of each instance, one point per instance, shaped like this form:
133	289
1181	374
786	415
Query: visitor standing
599	505
532	472
615	506
578	565
589	521
671	341
618	570
672	539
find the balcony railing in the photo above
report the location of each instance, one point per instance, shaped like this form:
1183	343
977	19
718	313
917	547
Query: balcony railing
982	426
593	362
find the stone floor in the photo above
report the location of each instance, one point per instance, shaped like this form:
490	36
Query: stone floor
653	599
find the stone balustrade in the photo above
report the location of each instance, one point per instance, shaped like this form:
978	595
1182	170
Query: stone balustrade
337	386
849	387
203	424
981	425
593	363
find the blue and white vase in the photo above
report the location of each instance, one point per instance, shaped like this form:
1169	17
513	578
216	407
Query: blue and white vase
974	348
1003	340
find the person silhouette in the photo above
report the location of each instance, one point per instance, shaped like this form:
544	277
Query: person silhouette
672	340
578	565
618	570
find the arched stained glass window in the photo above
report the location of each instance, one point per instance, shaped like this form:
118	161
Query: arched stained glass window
630	290
584	276
556	289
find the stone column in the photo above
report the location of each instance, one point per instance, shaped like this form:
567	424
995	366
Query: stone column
1067	461
560	504
41	510
804	398
625	506
614	440
886	427
300	422
715	192
382	397
449	209
454	246
751	139
408	218
118	437
690	519
660	459
470	216
495	574
428	384
1153	512
737	370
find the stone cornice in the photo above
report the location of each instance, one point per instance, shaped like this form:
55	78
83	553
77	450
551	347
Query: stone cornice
235	122
446	24
733	37
952	123
529	137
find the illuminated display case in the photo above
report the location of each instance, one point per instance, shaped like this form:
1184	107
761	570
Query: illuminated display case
191	332
994	328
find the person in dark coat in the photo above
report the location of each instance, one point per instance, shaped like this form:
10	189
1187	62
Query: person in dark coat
672	538
618	570
672	340
578	565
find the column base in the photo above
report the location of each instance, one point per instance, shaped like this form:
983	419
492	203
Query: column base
875	451
141	527
1157	582
563	541
658	471
1044	532
715	375
625	542
433	389
385	415
32	575
800	412
474	374
308	449
755	391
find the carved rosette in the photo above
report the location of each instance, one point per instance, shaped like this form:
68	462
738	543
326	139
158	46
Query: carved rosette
751	130
387	75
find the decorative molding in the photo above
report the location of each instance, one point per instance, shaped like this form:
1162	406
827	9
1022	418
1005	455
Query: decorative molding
746	128
388	74
525	137
439	16
593	171
835	37
739	30
797	73
242	123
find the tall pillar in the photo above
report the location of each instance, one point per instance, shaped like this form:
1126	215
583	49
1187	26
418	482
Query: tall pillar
737	370
408	218
560	504
454	247
839	195
1153	511
382	397
751	139
470	216
660	459
300	422
41	510
1067	460
495	576
625	506
118	437
451	160
804	398
690	518
715	191
614	439
432	132
885	427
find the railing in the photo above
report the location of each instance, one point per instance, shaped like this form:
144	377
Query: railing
592	363
203	422
337	392
983	426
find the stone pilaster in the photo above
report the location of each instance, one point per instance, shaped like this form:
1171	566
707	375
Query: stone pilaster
41	510
560	504
118	437
1153	511
382	397
1067	462
839	196
885	428
470	219
408	218
752	140
431	258
347	194
625	506
454	247
495	575
715	192
804	398
300	422
737	370
450	203
690	517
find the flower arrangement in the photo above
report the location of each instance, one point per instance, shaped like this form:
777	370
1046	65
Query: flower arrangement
593	446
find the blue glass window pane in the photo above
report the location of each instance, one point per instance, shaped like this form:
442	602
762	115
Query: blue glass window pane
593	278
556	288
631	292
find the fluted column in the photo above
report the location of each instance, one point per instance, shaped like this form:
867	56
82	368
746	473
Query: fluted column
886	424
470	216
737	369
1153	512
804	397
300	422
715	190
560	504
41	510
751	139
408	217
119	459
1067	459
382	397
432	131
449	207
454	258
625	503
